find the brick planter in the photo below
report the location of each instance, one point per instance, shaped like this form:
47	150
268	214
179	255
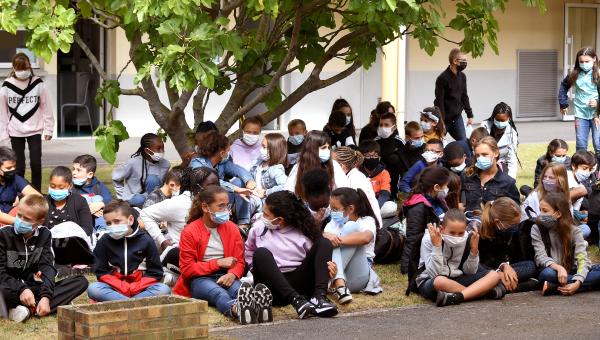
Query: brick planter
164	317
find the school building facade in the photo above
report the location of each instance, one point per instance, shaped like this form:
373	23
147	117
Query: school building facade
535	50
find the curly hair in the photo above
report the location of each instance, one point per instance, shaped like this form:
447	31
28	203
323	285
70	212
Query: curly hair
213	142
288	206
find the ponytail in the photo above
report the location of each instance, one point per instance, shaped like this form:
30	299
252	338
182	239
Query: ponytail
358	199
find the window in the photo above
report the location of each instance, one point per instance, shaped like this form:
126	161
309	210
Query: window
13	44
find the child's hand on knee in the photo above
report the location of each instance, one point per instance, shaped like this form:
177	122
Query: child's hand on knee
43	307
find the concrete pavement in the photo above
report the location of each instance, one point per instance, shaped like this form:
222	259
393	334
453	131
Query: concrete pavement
62	151
518	316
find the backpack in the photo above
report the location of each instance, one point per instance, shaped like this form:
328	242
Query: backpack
389	242
412	283
525	244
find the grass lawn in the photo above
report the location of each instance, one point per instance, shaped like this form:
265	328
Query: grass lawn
394	284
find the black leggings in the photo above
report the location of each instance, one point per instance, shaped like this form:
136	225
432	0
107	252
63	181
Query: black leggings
35	157
65	291
308	279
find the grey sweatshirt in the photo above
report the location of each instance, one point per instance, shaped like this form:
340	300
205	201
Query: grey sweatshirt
444	263
126	177
543	259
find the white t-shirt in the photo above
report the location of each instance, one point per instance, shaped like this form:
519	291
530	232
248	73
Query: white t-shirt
366	224
572	185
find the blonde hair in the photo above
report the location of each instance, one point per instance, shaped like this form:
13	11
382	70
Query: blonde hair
562	181
349	157
37	203
492	144
503	209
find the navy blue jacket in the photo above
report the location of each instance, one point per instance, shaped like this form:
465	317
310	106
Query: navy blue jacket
95	187
500	186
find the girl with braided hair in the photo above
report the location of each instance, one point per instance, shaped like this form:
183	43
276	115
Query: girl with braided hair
350	160
143	172
286	252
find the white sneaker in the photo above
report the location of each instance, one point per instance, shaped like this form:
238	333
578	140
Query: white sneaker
170	279
19	314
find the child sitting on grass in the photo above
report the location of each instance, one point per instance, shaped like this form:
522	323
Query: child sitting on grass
86	184
118	256
449	264
27	266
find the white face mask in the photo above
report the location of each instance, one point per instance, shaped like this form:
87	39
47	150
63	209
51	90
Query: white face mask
155	156
324	155
455	241
384	132
460	168
249	139
25	74
430	156
264	154
269	223
174	193
348	120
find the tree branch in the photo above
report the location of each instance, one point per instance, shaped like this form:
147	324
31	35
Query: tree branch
197	106
84	47
230	6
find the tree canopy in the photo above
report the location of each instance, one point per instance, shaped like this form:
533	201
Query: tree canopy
200	48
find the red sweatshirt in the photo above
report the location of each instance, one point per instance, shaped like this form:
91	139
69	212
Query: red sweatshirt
192	246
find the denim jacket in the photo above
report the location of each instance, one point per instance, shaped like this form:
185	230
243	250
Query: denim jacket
272	179
499	186
224	169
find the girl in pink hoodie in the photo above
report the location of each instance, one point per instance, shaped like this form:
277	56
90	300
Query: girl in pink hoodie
25	115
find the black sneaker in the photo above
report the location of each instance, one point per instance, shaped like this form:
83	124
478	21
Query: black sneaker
528	285
323	307
549	288
343	295
263	301
497	292
304	308
245	304
446	299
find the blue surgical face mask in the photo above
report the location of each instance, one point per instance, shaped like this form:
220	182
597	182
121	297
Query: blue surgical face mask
324	155
586	67
501	125
220	217
58	194
79	181
417	143
296	139
338	217
483	163
557	159
426	126
21	227
118	231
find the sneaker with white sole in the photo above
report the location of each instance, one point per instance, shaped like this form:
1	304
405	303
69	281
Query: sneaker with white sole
19	313
304	308
263	303
343	295
324	307
245	304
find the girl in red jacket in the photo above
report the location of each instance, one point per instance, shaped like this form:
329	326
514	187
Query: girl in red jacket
211	258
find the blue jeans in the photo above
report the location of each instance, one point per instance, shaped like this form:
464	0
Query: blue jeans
100	291
585	230
592	280
241	206
456	128
351	261
582	131
206	288
525	270
152	182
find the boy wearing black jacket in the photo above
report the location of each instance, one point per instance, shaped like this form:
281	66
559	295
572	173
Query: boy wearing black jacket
118	255
27	266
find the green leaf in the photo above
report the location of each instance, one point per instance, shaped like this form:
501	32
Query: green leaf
391	4
105	145
85	8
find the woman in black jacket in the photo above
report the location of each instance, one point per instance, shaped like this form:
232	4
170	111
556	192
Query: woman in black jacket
427	204
500	245
70	220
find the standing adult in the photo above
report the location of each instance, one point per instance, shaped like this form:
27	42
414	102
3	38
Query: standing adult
451	95
25	116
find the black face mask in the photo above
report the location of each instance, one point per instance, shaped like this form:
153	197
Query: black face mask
508	232
371	163
462	66
9	175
